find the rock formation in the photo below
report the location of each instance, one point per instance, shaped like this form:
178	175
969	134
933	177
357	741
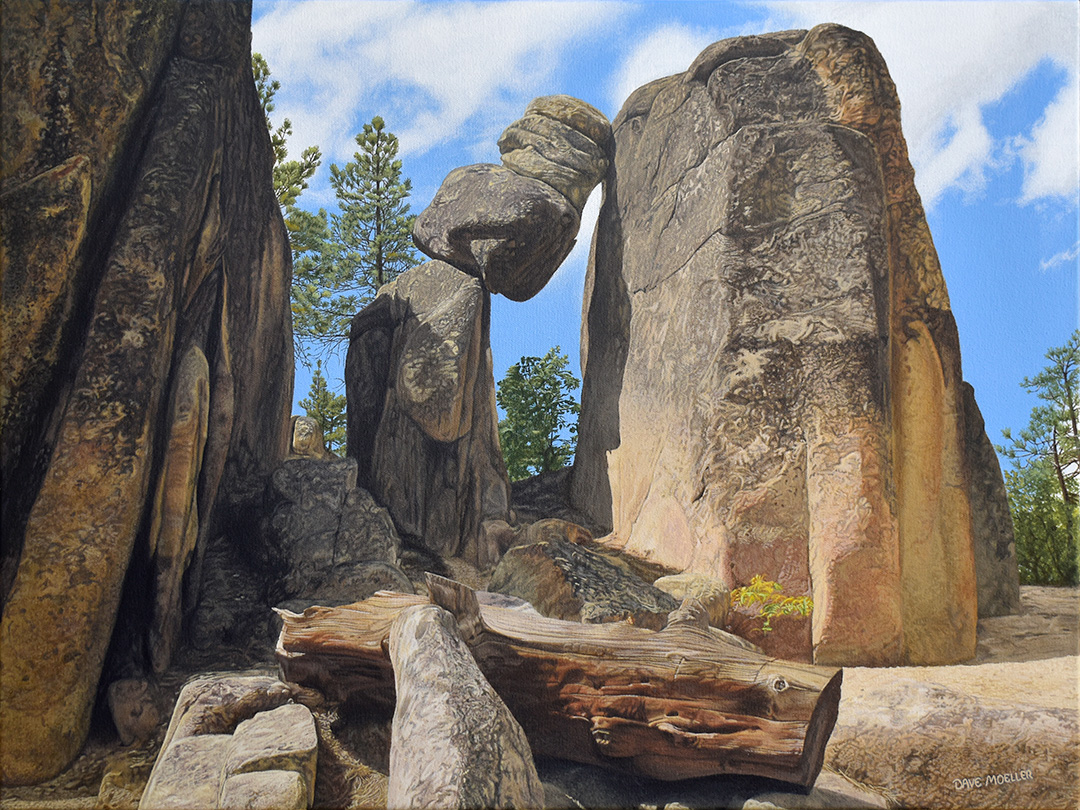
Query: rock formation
421	419
566	581
140	228
996	571
772	374
512	225
325	536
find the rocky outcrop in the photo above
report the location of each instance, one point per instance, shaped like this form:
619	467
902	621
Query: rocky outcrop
234	741
771	371
146	232
566	581
512	225
422	423
325	534
996	572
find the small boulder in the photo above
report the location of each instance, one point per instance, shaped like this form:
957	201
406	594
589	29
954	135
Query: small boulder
548	529
563	580
133	703
307	439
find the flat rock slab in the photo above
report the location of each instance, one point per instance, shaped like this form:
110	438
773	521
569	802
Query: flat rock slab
927	744
265	790
282	739
187	775
235	742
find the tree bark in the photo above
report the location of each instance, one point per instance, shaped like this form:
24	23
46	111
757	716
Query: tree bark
454	743
675	704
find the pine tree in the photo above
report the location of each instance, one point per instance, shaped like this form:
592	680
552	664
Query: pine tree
372	234
536	395
290	176
1042	486
327	408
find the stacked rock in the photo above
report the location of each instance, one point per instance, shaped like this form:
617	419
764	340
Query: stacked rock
512	225
422	419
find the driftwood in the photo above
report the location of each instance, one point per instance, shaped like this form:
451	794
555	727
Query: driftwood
674	704
454	743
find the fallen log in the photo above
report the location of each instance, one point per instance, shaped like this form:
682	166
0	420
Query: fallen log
679	703
454	743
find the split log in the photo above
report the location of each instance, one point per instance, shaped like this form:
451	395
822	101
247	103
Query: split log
454	743
674	704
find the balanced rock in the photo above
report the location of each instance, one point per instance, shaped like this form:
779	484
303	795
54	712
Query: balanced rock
422	423
512	225
561	141
772	377
566	581
510	230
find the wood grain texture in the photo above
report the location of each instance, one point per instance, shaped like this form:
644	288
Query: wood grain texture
675	704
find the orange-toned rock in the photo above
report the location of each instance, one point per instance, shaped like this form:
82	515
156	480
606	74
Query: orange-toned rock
142	239
772	377
175	523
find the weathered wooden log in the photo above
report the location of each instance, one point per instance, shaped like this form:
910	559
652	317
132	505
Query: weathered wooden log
679	703
454	743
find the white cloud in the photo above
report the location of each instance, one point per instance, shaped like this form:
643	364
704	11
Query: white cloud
430	67
1050	153
1065	257
572	270
950	60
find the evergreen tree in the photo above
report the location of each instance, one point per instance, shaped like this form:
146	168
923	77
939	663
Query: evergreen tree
1042	486
327	408
536	395
290	176
372	234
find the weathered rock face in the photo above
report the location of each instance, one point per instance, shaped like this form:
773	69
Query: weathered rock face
422	419
566	581
771	370
996	570
512	225
136	171
324	531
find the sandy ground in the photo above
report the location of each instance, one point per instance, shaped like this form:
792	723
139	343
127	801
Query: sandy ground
1031	658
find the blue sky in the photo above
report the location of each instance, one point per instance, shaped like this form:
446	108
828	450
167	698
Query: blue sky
988	90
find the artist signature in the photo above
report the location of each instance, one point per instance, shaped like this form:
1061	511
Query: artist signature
993	780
